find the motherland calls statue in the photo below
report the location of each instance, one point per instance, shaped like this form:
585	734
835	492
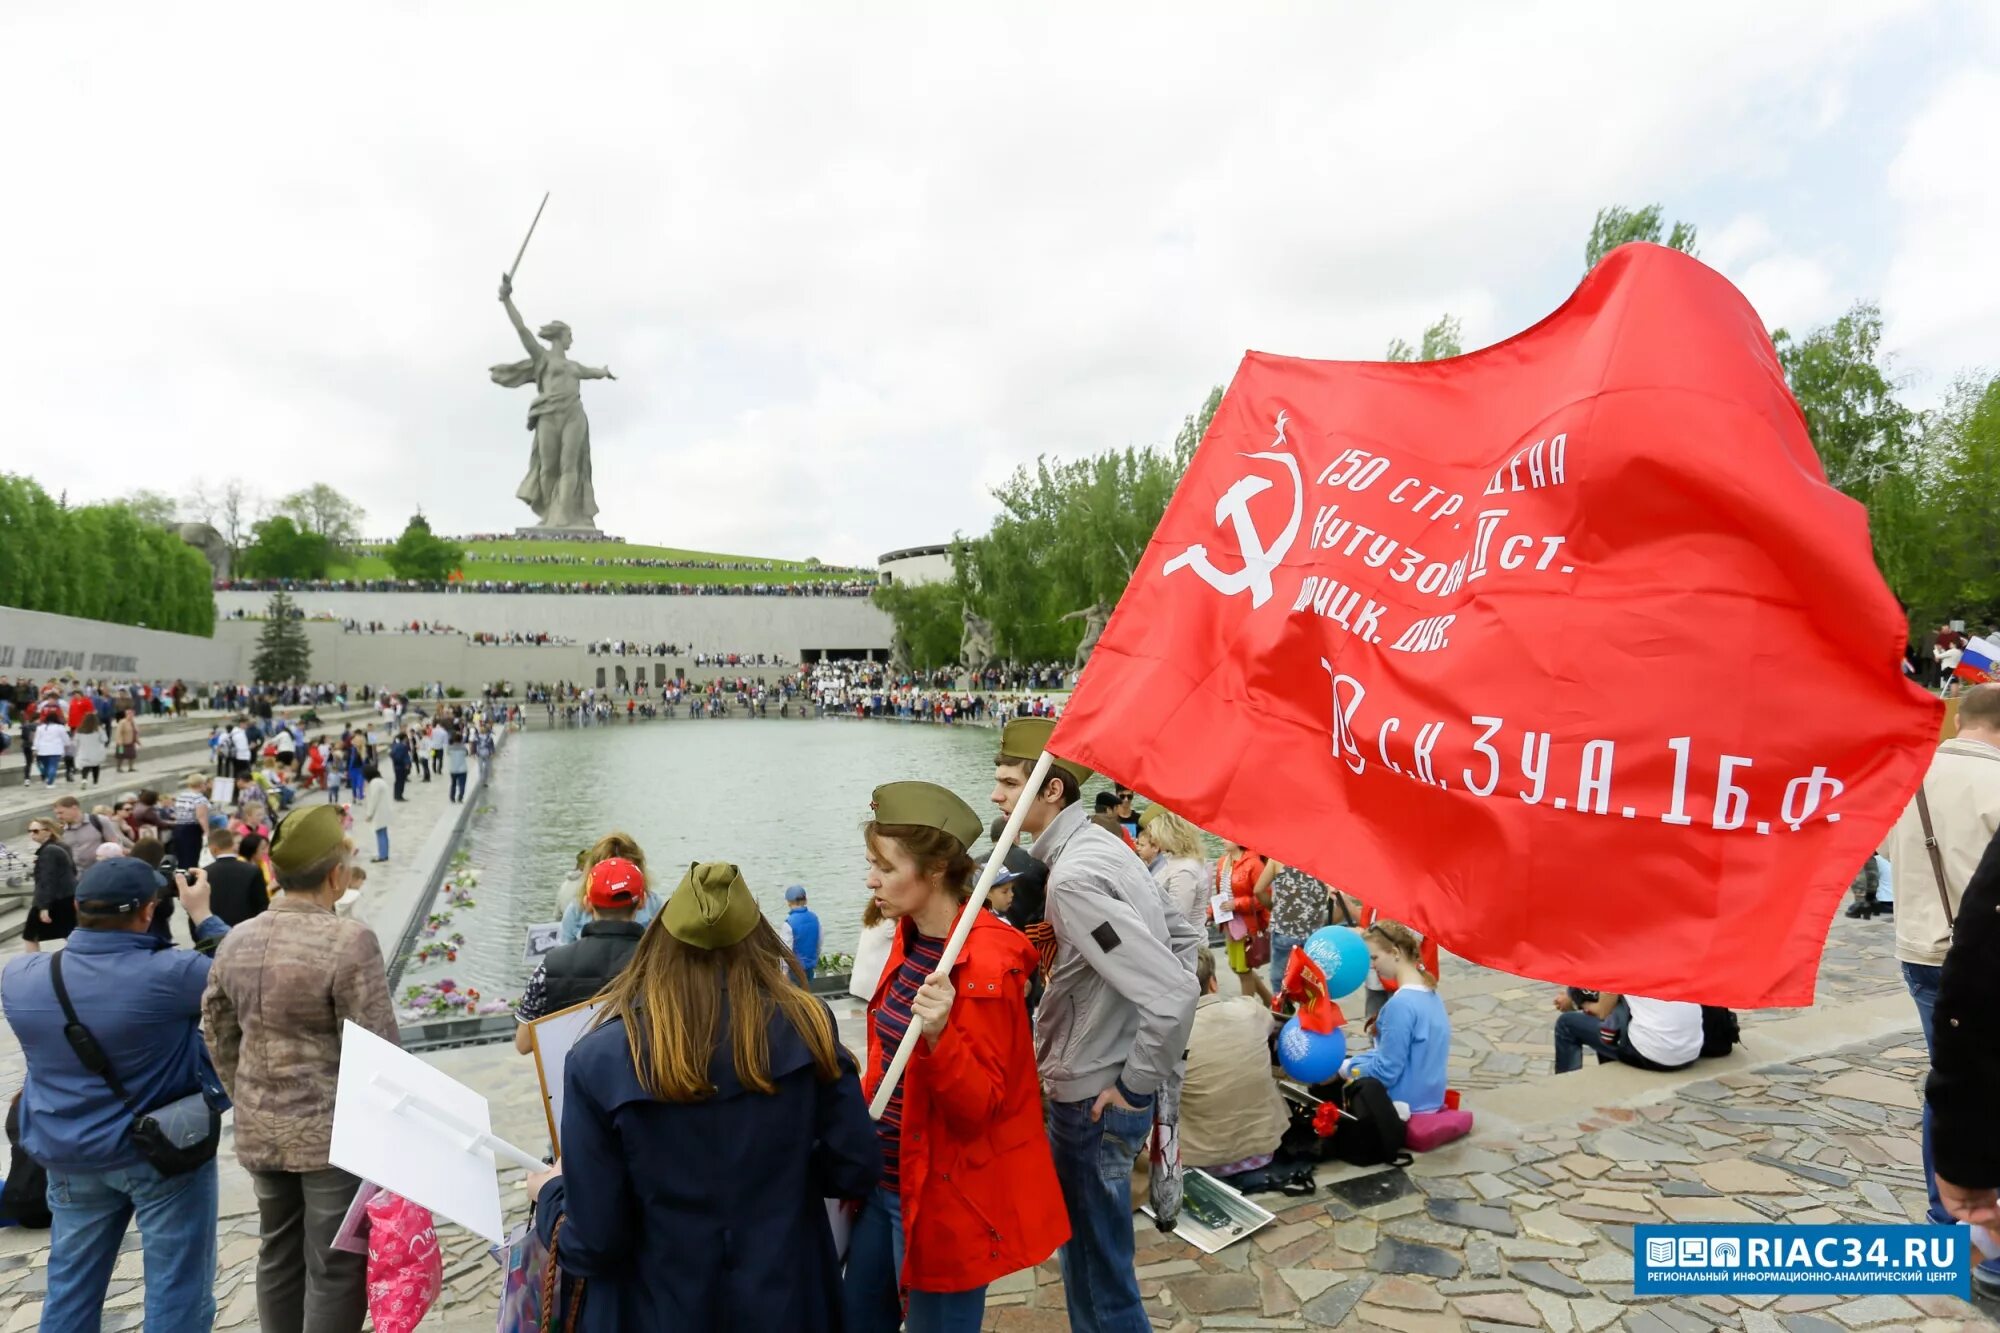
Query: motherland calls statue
557	486
975	650
1095	618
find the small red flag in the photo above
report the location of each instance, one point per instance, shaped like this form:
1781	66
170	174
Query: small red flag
1563	652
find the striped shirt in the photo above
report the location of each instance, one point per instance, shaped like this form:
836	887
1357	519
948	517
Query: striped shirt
892	1020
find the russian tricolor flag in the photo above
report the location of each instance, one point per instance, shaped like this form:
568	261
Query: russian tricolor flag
1977	662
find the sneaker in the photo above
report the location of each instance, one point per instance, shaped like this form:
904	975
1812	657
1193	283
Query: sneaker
1986	1279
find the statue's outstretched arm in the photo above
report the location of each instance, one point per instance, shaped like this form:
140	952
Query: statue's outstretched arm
584	372
528	339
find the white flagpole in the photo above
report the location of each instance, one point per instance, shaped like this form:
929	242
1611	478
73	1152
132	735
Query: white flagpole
973	905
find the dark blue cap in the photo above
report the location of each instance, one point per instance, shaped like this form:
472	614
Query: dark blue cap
123	883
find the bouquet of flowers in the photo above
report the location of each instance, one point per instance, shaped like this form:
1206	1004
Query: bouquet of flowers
444	949
447	999
437	921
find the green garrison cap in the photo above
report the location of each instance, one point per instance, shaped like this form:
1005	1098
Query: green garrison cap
928	805
712	908
1150	813
1027	737
306	837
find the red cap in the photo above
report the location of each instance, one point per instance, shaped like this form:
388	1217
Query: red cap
616	882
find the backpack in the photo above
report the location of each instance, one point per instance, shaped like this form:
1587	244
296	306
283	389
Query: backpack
1370	1132
1719	1031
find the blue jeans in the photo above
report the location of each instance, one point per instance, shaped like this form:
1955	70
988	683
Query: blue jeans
1922	980
48	763
1094	1167
1281	955
176	1228
868	1295
381	844
457	792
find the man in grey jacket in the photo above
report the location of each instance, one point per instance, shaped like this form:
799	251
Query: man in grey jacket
1112	1028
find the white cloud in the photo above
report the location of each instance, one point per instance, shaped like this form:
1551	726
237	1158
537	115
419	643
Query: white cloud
850	266
1941	299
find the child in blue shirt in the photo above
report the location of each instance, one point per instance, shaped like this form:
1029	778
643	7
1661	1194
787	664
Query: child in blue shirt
1412	1034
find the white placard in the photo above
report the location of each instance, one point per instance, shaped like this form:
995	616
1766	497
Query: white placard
1213	1215
221	793
553	1035
1223	905
542	938
387	1128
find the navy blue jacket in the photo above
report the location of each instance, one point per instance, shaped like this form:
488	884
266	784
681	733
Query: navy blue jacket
141	998
706	1215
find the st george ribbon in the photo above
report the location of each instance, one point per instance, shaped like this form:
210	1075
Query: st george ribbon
1563	652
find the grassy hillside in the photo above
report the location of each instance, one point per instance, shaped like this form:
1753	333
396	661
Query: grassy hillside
489	560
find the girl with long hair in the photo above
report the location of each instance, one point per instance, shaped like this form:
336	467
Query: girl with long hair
969	1191
706	1118
1412	1033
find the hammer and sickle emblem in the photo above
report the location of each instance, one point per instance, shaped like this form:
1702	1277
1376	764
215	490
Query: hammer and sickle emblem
1258	559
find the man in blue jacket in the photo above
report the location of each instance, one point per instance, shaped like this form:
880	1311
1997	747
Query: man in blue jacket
805	928
141	1000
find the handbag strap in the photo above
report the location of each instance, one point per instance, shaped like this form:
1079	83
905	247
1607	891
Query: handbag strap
88	1052
1937	858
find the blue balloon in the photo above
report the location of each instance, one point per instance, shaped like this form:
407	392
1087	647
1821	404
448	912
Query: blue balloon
1342	956
1311	1057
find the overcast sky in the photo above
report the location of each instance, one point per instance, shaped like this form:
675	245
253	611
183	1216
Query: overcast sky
851	271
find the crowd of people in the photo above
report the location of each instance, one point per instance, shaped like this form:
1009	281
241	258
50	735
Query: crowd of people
841	587
641	562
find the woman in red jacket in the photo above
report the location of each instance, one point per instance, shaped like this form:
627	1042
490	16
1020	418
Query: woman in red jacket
968	1191
1246	877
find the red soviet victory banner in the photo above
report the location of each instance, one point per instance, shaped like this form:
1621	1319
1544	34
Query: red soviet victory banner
1562	652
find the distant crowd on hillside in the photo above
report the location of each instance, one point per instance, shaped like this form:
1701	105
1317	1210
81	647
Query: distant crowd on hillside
640	562
851	587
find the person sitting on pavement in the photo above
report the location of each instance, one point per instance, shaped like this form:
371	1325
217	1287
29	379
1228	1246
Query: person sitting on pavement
1662	1035
140	998
1232	1114
1412	1033
573	973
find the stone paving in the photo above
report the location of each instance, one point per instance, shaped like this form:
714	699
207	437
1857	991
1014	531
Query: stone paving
1534	1229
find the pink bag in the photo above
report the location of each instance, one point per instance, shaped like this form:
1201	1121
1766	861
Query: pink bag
405	1269
1426	1130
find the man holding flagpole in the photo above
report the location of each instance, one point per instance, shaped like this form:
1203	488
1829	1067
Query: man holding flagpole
1112	1026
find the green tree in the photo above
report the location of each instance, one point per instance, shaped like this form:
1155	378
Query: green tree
930	620
325	512
1440	340
99	562
229	507
1842	380
1068	537
417	554
281	551
284	653
1615	226
152	507
1195	429
1951	532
